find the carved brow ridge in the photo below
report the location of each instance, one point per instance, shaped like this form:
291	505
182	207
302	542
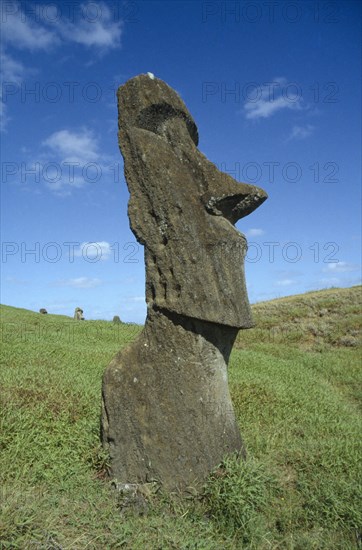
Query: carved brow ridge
153	117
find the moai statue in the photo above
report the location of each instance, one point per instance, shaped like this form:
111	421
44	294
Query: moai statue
116	320
78	314
166	408
43	311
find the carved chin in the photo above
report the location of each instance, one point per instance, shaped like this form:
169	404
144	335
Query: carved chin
215	289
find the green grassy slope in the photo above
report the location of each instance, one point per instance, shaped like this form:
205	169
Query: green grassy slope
295	382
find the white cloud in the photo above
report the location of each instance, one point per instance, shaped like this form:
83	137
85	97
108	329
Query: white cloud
341	267
93	27
21	31
271	98
79	282
131	302
70	160
92	251
71	146
64	304
4	118
40	29
285	282
301	132
254	232
330	281
288	273
16	281
11	70
12	73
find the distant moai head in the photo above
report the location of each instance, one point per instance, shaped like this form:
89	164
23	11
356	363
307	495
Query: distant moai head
43	311
116	320
182	208
78	314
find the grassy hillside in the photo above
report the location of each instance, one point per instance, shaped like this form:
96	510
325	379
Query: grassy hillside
296	386
318	320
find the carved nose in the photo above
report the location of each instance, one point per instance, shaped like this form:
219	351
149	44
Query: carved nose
224	196
238	200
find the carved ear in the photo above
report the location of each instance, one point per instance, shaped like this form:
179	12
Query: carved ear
152	118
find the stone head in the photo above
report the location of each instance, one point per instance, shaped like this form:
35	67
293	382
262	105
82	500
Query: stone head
183	209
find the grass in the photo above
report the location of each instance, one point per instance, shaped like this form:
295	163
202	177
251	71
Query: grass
296	387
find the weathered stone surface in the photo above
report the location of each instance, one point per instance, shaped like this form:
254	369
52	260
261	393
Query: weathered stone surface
78	314
116	320
43	311
167	413
182	208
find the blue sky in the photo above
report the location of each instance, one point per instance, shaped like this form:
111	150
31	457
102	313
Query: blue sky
275	89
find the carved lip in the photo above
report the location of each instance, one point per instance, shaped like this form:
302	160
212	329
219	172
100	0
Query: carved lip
238	234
